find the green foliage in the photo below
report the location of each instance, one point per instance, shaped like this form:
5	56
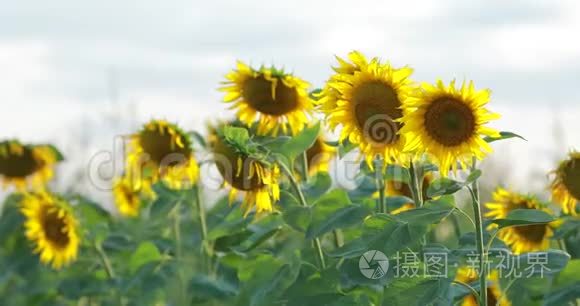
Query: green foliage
163	257
504	135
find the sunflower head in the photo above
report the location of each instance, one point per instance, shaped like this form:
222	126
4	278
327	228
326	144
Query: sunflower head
566	184
495	296
275	99
128	198
52	227
366	99
521	239
162	151
319	156
245	173
448	123
27	165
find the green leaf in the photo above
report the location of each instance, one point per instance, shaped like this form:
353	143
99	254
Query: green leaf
345	147
317	185
276	284
524	217
198	138
444	186
504	135
390	234
473	176
146	252
203	287
264	278
288	151
334	210
237	135
298	217
260	232
431	213
418	291
233	222
396	202
541	263
345	217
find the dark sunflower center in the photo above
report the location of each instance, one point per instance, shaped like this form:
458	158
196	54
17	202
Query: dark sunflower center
377	106
54	228
258	93
449	122
314	153
227	164
491	298
14	165
571	177
161	146
533	233
130	196
404	189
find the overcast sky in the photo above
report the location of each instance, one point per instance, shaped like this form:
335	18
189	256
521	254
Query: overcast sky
63	62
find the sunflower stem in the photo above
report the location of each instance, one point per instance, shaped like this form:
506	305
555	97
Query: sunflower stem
380	183
416	188
105	260
474	190
302	199
206	248
338	238
202	219
416	191
305	167
108	268
178	249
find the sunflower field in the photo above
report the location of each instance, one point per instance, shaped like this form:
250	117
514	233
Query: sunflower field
411	229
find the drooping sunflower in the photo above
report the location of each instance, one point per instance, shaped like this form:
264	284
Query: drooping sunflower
244	173
495	297
521	239
319	156
161	151
566	184
277	100
396	187
52	227
27	165
448	123
366	99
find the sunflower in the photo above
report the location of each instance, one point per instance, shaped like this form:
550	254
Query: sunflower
396	187
22	165
566	184
328	97
494	293
365	98
127	198
319	156
278	100
244	173
521	239
448	123
52	227
161	151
